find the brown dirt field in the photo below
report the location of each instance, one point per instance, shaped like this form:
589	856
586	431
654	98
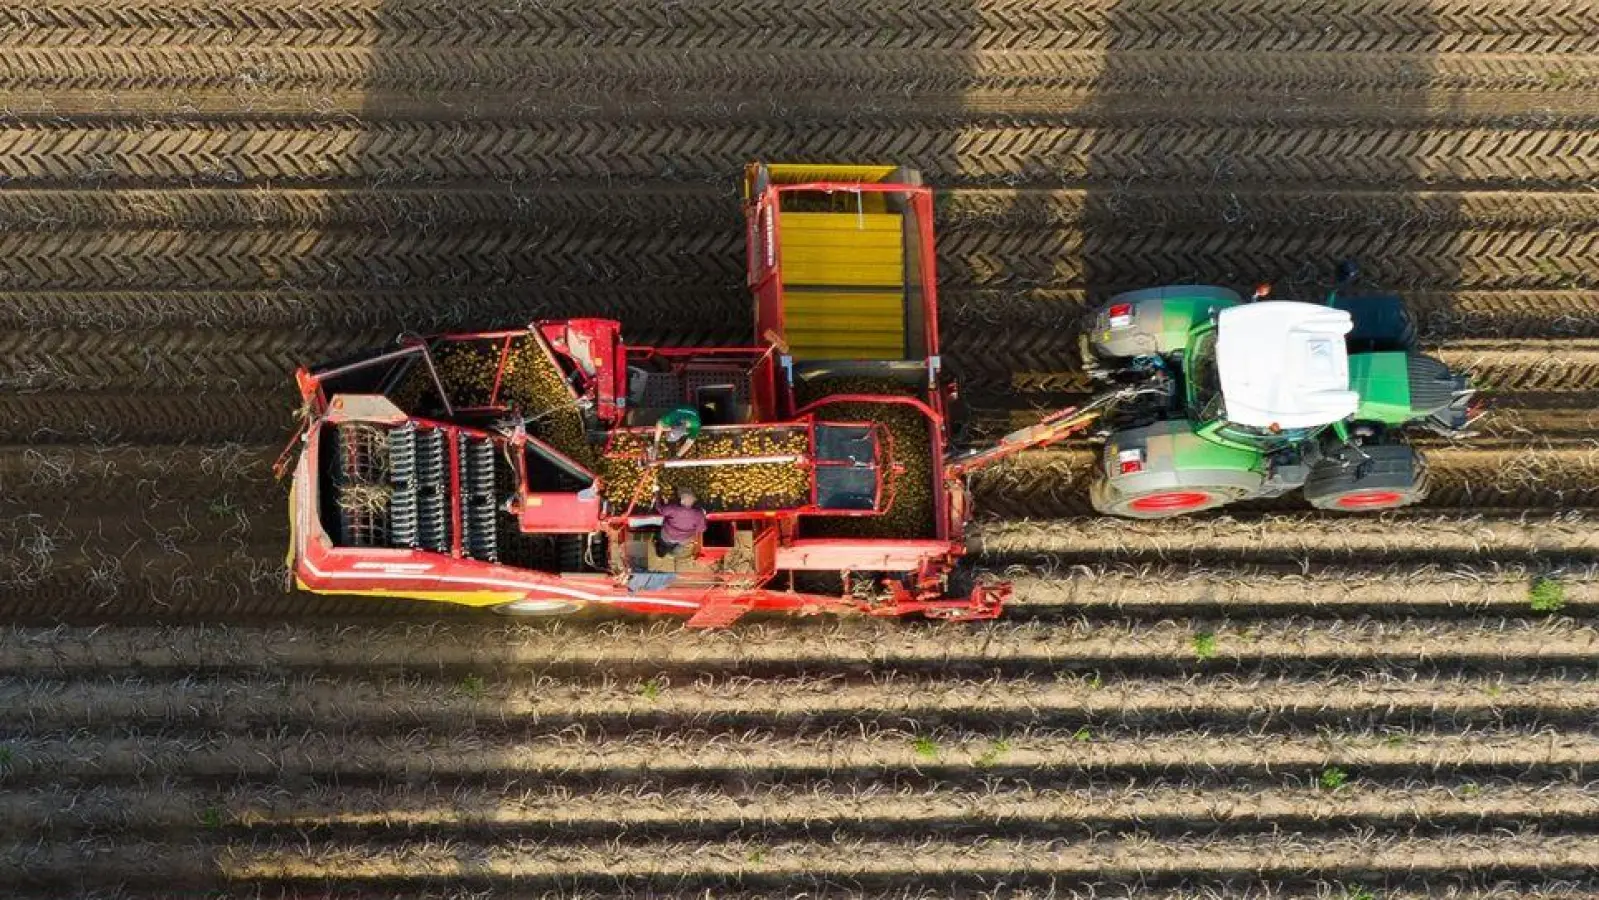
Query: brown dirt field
202	194
817	647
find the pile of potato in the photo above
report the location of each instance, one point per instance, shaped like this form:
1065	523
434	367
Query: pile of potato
719	488
911	515
535	385
532	384
468	370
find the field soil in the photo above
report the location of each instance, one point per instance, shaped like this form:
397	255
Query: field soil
200	195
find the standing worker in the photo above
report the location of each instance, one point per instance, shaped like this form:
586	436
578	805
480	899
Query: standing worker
682	523
681	424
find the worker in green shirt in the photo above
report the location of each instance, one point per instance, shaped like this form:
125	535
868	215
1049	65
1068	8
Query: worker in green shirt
678	425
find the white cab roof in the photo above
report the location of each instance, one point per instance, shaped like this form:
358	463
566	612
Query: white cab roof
1284	364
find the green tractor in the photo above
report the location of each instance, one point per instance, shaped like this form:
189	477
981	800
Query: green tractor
1220	400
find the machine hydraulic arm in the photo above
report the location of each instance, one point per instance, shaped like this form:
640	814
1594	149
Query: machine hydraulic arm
1055	427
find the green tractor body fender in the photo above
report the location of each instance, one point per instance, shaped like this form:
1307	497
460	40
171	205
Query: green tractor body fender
1383	382
1154	321
1169	456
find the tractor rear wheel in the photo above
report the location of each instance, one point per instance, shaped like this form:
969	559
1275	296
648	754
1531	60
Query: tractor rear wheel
537	606
1161	503
1392	476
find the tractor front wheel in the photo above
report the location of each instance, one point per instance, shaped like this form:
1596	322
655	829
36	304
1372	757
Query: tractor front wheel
1390	476
1160	503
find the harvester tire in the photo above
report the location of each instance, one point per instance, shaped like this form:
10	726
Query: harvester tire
1163	503
535	607
1394	476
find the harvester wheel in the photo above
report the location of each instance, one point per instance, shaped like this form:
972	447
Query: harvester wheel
537	606
1393	476
1162	503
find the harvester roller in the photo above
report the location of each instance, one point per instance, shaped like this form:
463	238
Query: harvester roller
362	491
403	504
433	506
479	538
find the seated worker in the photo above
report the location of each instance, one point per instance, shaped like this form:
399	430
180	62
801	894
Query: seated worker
682	523
681	424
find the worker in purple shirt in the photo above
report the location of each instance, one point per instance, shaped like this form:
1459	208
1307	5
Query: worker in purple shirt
682	523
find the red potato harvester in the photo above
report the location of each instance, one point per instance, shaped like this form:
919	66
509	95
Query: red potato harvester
514	469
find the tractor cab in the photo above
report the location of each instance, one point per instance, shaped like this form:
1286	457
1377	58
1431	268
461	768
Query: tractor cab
1268	375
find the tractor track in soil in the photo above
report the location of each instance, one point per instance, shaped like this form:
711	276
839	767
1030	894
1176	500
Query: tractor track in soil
1519	26
961	211
202	194
438	252
741	71
251	153
443	83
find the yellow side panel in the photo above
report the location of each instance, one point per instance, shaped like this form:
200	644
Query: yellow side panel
803	305
845	347
802	173
843	249
844	325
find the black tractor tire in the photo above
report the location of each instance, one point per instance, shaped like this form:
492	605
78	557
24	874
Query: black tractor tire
537	607
1392	476
1161	503
1382	323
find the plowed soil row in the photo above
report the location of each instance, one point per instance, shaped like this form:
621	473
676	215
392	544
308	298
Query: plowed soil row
1417	536
653	315
362	704
106	62
710	85
1189	889
432	253
635	652
254	153
1321	589
961	211
291	753
1523	26
815	865
485	804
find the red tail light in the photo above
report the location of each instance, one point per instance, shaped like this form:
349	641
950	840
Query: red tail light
1129	462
